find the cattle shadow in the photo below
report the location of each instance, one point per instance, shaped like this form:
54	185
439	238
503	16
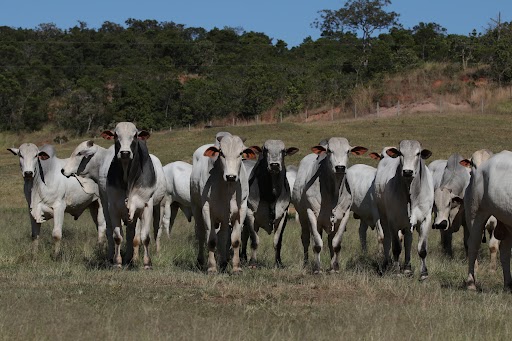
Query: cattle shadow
365	263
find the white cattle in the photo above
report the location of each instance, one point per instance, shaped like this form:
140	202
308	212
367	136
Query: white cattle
177	175
361	181
322	198
136	186
490	194
269	198
436	168
405	195
477	159
49	194
219	189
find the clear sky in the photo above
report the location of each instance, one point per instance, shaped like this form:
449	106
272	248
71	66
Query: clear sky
289	20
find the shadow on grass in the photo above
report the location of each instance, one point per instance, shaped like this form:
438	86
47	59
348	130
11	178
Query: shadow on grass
364	263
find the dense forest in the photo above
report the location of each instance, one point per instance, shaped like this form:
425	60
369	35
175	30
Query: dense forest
163	74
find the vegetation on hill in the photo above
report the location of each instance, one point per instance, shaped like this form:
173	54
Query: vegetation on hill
163	74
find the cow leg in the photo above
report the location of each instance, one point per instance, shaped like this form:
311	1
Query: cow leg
236	235
494	245
146	223
363	228
505	250
157	225
466	238
317	240
58	221
117	236
212	239
174	212
476	227
336	241
407	238
305	236
397	249
386	246
132	247
249	231
446	242
278	239
36	230
98	218
422	246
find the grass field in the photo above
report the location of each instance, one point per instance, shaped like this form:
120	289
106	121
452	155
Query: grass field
75	297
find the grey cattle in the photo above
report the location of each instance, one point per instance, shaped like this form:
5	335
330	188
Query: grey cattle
361	181
405	195
476	161
49	194
135	186
436	168
269	198
322	198
219	189
490	195
177	175
448	197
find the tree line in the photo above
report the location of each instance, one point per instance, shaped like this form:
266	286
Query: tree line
162	74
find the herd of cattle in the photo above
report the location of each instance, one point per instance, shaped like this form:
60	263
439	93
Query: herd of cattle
232	191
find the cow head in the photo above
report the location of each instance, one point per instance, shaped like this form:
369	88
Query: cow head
478	157
125	136
447	207
337	150
29	155
410	154
79	159
274	152
231	150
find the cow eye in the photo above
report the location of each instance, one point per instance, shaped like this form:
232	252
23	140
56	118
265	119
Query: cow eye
79	154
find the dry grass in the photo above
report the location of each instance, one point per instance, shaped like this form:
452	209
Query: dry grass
74	297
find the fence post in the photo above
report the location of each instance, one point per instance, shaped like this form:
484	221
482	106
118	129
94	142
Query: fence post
482	105
332	113
398	109
378	108
280	117
233	122
189	127
355	110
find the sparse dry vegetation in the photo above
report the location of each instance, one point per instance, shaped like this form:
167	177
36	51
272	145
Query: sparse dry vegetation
77	297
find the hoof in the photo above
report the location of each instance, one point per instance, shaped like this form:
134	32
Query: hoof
237	271
117	266
423	277
212	271
317	272
471	286
148	267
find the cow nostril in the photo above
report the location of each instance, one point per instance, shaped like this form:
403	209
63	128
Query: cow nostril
340	169
407	173
230	177
29	174
125	155
62	171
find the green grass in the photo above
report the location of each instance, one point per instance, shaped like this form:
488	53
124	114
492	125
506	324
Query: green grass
75	297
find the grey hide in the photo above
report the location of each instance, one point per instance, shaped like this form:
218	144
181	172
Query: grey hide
322	198
405	195
219	189
49	194
269	197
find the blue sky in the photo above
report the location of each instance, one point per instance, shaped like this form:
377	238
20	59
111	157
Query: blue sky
289	20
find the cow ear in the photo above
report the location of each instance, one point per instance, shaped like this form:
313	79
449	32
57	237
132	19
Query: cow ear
15	151
248	154
43	156
458	200
466	163
319	150
425	154
143	135
358	150
375	156
108	135
211	152
90	143
292	150
256	149
393	152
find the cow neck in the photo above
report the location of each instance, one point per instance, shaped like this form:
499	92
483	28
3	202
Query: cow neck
96	162
270	185
45	172
141	173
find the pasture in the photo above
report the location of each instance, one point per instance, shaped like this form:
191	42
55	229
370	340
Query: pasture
76	296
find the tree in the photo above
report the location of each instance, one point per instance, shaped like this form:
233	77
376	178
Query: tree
429	37
366	16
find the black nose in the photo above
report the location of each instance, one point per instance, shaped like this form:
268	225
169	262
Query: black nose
274	166
231	177
62	171
407	173
28	174
125	155
340	169
441	226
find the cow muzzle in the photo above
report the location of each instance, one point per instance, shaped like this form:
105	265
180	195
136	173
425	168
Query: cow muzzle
274	168
28	175
407	173
443	225
340	169
125	155
231	178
